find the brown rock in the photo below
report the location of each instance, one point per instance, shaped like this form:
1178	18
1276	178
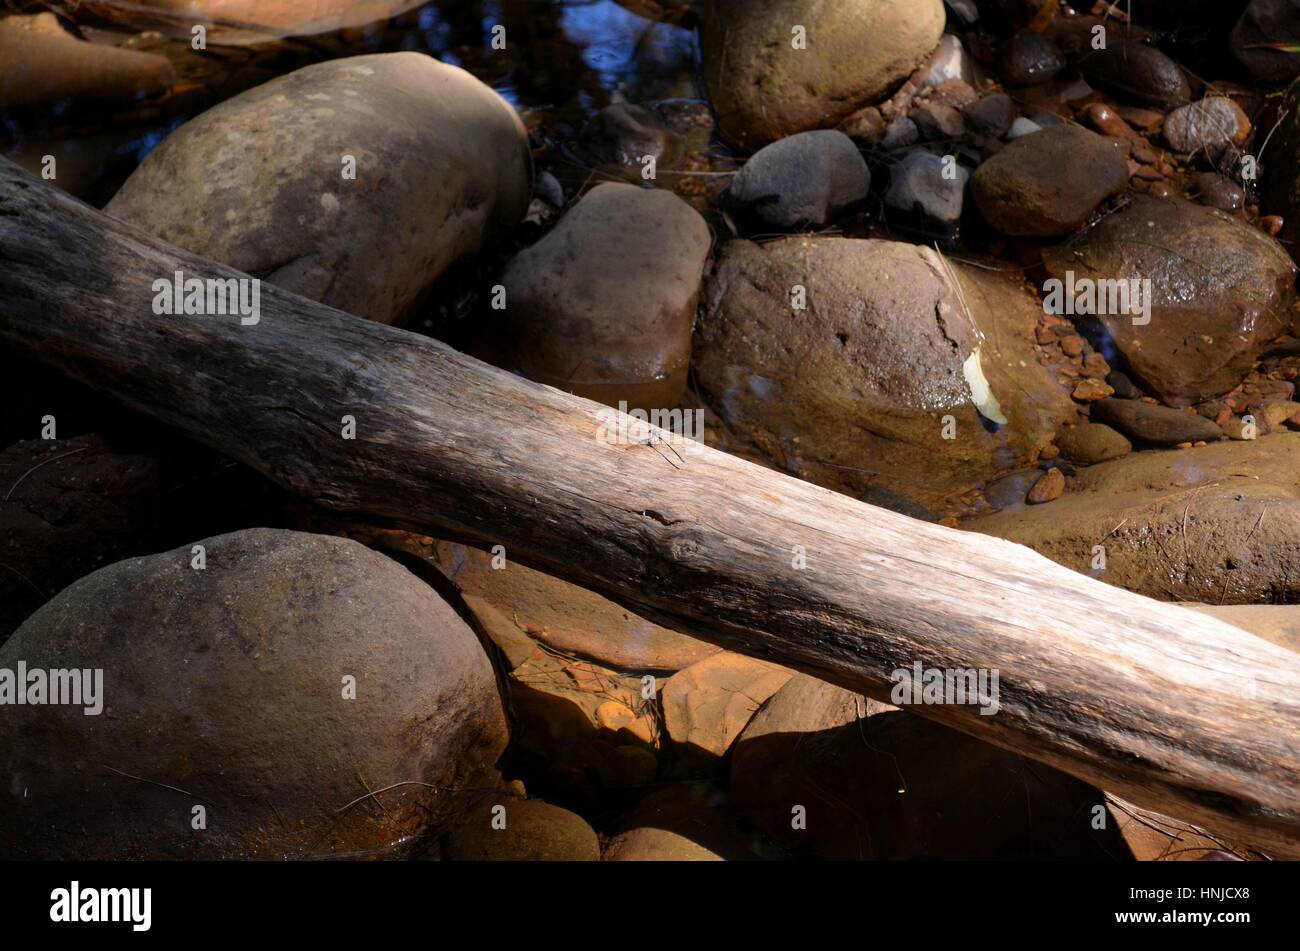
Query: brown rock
1092	443
656	845
708	704
1216	524
683	822
571	714
45	64
535	831
1131	70
1154	424
1048	488
1072	346
884	351
1049	182
1091	390
231	683
516	601
1219	293
764	88
281	18
1216	191
866	125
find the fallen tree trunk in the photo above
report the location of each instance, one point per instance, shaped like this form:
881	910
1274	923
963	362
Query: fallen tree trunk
1175	711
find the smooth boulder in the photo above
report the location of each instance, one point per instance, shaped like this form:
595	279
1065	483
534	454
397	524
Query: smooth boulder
1130	70
1210	125
848	363
802	182
1219	293
1217	524
602	306
260	182
1091	443
228	687
1155	425
45	64
248	22
925	194
525	830
765	84
1048	183
681	821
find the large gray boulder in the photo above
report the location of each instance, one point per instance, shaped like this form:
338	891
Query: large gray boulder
442	168
225	690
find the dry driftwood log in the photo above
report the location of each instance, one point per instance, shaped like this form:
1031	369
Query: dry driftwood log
1175	711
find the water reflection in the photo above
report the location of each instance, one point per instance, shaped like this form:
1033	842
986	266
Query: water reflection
562	61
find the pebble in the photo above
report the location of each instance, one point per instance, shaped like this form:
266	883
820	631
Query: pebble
1158	425
1107	122
921	198
1010	490
991	116
1089	391
896	502
1031	59
938	122
1136	72
1211	125
1048	488
1091	443
900	133
1216	191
